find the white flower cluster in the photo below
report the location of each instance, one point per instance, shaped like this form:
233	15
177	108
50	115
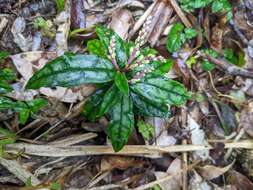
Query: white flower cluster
143	34
112	48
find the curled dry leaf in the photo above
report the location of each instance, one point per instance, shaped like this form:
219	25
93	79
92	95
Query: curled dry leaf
197	138
18	27
196	182
174	183
210	172
29	62
246	119
238	180
122	19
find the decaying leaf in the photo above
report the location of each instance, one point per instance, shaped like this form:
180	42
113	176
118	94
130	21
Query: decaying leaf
210	172
121	17
240	181
197	138
174	183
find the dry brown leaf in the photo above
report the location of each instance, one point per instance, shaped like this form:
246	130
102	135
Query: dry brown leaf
122	20
240	181
210	172
174	183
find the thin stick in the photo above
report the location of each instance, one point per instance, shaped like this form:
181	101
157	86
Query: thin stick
180	13
226	67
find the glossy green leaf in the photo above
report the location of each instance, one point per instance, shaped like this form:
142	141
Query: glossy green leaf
6	103
175	38
232	57
147	130
147	107
36	104
221	6
207	66
96	47
7	74
60	4
111	97
105	35
72	70
122	83
92	106
4	54
5	87
162	91
122	123
190	33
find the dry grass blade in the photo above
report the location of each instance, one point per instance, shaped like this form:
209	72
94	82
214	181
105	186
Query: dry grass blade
74	139
53	151
21	173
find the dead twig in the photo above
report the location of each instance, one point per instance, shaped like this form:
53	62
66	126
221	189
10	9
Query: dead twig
227	67
180	13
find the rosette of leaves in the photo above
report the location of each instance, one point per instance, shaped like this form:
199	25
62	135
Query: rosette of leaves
130	80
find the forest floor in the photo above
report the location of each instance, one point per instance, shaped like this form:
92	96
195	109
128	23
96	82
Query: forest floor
49	139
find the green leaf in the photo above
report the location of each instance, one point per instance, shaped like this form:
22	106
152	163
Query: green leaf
60	5
111	97
7	74
147	130
95	47
92	106
175	38
55	186
190	5
4	54
162	91
6	103
23	111
28	182
7	137
5	87
72	70
190	33
221	6
146	107
122	123
122	83
105	35
36	104
231	56
207	66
